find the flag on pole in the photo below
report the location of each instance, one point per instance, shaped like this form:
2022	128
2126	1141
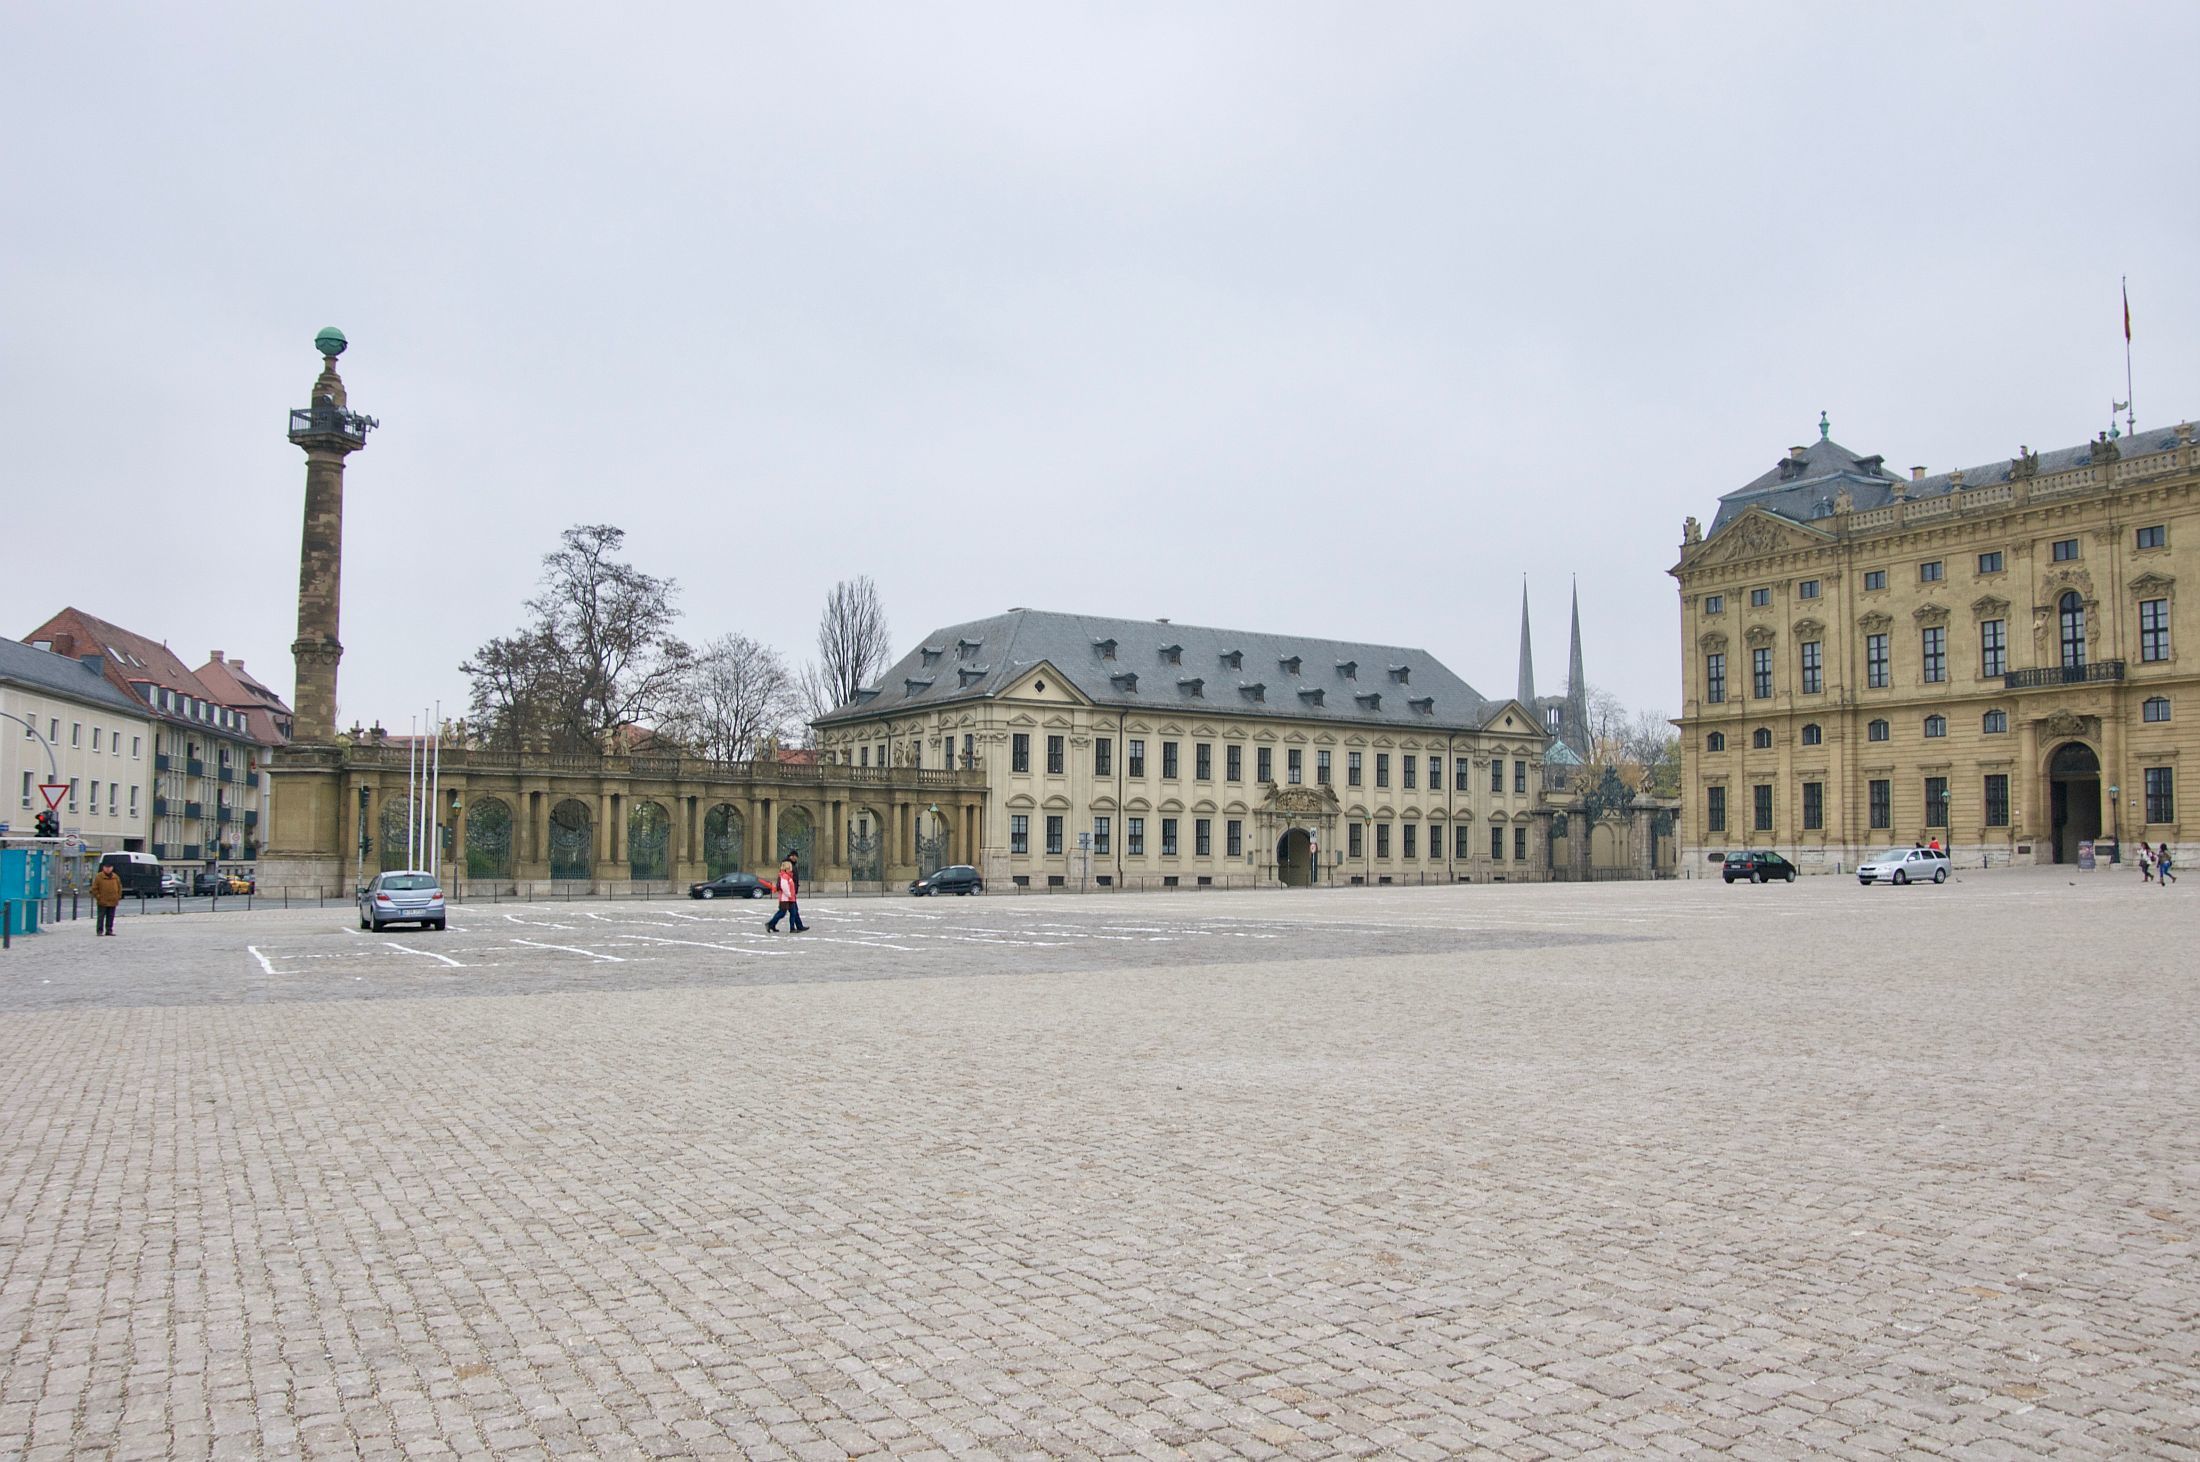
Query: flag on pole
2127	314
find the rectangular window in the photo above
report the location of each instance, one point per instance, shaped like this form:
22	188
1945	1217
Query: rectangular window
95	738
93	808
1760	812
2161	794
1382	768
1990	563
1876	669
2154	629
1054	833
1814	806
1019	752
2065	550
1993	648
1233	763
1352	769
26	789
1407	766
135	748
1459	778
1264	764
1321	768
1714	678
1294	765
1436	774
1103	756
1168	761
1054	756
72	794
1760	672
1875	578
1168	837
1382	840
1520	845
1019	833
1406	836
1808	589
1203	836
1353	840
1936	801
76	733
1882	803
1814	673
1497	844
970	753
1714	811
1203	761
1134	756
133	799
2155	536
1936	653
1134	836
1497	774
1233	836
1714	604
2154	708
1520	776
1997	799
1759	598
1100	831
1931	572
1462	842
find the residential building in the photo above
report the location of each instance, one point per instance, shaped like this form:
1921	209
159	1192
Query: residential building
100	739
207	779
1988	657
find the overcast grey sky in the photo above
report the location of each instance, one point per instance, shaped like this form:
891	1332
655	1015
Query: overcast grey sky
1331	320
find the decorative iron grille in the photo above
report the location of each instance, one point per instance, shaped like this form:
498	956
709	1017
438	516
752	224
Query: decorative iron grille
489	839
648	842
722	837
570	854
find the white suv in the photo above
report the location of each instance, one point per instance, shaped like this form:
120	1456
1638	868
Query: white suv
1905	865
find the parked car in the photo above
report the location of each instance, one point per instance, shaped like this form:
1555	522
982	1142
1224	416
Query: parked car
1905	865
959	879
171	885
204	883
406	896
1757	866
238	883
731	886
140	873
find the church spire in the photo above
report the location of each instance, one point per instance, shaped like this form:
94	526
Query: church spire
1577	688
1526	691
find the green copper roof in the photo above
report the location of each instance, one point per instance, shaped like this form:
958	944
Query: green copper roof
330	342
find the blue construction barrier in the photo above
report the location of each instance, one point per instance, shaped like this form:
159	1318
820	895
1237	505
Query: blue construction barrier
26	878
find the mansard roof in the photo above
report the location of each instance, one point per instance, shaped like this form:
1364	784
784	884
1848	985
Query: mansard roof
1157	666
1802	488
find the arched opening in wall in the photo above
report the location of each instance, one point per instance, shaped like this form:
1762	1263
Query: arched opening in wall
572	858
2074	789
798	835
399	835
648	843
722	836
489	839
933	845
1295	858
866	846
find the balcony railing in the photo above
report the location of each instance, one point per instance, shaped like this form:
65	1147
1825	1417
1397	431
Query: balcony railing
222	814
160	807
251	817
160	761
228	774
2099	670
194	768
194	810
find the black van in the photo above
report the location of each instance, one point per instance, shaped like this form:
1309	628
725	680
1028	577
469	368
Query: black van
139	872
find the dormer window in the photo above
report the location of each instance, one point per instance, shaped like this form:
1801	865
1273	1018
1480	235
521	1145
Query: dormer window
1106	648
1172	654
1423	705
1254	691
1370	700
1125	680
866	693
1289	664
968	649
1311	694
1233	659
1400	674
1193	687
970	675
1349	669
931	654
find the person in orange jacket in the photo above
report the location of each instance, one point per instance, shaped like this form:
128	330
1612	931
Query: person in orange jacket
790	908
106	897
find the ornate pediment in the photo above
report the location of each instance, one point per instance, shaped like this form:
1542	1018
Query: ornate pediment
1989	606
1301	800
1875	623
1808	629
1930	614
1753	535
1711	642
2064	723
2152	585
2061	582
1759	634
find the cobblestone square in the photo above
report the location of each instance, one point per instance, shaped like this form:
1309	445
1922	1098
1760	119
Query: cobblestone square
1524	1172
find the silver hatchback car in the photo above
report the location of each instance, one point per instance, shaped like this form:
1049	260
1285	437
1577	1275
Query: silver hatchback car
405	896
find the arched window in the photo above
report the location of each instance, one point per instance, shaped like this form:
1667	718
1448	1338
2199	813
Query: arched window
1877	731
1936	726
1995	723
2154	708
1812	734
1716	741
2073	630
1761	738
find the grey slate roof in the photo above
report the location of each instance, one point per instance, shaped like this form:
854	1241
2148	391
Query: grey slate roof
47	673
1806	495
1389	685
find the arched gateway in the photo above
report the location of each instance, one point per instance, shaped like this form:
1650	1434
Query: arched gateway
2074	787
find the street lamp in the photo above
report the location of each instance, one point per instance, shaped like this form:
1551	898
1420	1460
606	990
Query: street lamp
2116	822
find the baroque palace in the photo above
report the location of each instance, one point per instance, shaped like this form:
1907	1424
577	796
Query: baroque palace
1988	657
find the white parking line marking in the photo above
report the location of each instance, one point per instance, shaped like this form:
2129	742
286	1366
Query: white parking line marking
255	949
569	949
706	944
427	954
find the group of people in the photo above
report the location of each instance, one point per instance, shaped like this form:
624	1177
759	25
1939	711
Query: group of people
789	889
2157	860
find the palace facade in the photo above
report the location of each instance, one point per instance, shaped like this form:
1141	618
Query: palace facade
1990	657
1121	752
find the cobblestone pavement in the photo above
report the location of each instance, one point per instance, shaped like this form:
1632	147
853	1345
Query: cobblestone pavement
1510	1171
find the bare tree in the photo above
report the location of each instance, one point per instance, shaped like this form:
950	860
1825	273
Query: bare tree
1639	747
736	694
599	654
813	697
853	642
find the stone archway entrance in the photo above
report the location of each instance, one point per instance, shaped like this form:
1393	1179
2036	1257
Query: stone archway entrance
1295	858
2074	792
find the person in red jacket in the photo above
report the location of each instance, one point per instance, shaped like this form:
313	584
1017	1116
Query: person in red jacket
790	909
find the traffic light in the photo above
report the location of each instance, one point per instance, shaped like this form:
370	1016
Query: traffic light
49	825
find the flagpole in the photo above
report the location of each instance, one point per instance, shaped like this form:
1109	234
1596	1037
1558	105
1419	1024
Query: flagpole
412	805
435	796
2131	418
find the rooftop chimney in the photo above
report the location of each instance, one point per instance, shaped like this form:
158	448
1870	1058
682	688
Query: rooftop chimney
64	645
215	656
1917	474
1795	454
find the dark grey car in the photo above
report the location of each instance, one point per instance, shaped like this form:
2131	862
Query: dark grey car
960	879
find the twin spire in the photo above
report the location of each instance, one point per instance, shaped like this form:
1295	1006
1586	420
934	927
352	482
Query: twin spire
1573	728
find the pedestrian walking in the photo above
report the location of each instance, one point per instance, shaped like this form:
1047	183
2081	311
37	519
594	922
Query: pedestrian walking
789	889
2146	863
106	897
2162	865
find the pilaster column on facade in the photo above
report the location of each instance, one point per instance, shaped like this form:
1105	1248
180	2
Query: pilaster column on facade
2031	816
